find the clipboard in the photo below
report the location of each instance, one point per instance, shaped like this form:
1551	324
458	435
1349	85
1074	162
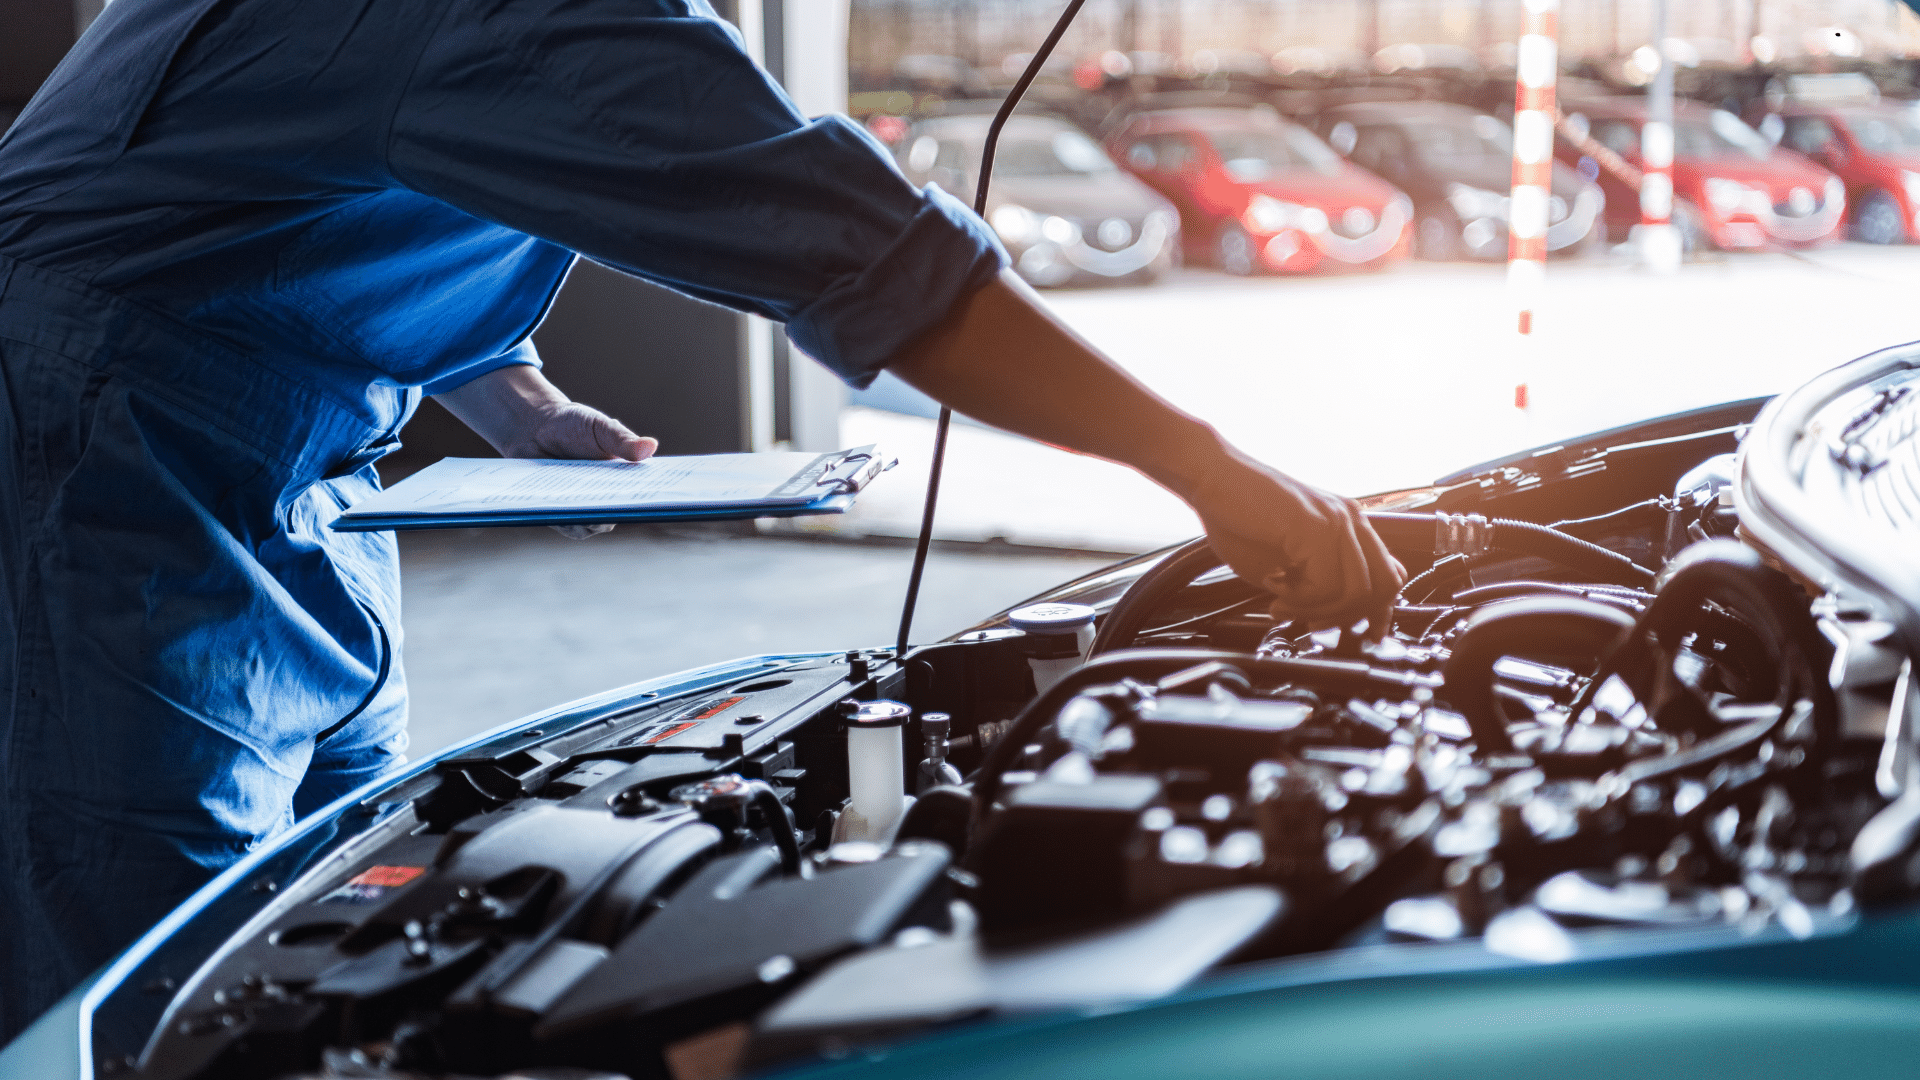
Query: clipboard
465	493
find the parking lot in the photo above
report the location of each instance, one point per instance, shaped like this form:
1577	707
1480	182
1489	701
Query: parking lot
1359	382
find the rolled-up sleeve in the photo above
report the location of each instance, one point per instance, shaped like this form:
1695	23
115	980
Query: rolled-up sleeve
639	134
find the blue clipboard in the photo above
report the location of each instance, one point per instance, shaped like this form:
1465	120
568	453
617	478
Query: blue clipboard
459	493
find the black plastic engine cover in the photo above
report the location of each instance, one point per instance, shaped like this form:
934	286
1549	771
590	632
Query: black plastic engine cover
726	944
1056	853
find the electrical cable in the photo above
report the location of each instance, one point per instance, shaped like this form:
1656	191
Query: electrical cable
945	423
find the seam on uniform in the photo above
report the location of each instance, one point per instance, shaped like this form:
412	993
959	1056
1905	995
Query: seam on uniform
161	388
400	93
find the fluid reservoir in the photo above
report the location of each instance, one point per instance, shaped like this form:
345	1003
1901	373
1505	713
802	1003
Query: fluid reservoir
1058	637
876	777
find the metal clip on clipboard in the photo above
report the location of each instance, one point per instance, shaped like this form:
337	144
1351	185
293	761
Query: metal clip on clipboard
855	471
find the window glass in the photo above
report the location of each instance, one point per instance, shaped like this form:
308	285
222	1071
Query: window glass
1251	156
1735	133
1619	136
1449	142
1062	153
1174	152
1807	134
1380	148
1885	132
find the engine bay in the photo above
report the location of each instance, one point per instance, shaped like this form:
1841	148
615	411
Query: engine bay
1599	713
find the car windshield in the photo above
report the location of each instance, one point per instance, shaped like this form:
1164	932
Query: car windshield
1251	156
1065	153
1721	134
1461	140
1885	132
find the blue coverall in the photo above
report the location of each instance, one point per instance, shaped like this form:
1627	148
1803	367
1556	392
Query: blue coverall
238	240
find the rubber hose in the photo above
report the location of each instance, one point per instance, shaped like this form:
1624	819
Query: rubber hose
1155	587
1504	590
781	826
1763	600
1531	626
1523	538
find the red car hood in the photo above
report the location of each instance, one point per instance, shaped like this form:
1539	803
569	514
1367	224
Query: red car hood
1354	186
1778	175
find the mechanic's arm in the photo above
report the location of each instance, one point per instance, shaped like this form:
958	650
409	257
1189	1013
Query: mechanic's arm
1002	359
521	414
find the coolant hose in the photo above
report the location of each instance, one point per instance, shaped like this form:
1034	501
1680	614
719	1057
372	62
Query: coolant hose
1761	600
1469	534
1535	626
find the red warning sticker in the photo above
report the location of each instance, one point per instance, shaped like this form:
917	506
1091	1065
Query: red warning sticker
685	719
714	708
372	883
390	876
670	732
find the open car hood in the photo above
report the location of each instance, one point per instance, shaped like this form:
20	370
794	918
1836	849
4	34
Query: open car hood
1629	788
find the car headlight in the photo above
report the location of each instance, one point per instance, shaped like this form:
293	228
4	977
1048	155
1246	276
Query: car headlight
1060	230
1911	181
1835	194
1470	202
1725	195
1016	224
1268	214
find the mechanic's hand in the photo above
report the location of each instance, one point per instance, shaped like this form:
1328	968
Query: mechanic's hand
576	432
581	432
523	415
1312	549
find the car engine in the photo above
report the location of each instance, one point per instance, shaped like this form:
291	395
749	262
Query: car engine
1609	711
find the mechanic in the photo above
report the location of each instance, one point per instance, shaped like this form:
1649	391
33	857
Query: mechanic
239	239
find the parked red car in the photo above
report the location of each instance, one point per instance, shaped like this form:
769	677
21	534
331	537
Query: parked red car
1732	188
1257	193
1875	150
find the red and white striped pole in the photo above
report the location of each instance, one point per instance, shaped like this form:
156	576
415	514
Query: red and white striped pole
1536	64
1659	241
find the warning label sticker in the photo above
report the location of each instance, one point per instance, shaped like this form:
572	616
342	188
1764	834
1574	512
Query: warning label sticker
372	883
683	720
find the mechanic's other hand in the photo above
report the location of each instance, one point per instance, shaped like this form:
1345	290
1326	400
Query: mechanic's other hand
1312	549
575	432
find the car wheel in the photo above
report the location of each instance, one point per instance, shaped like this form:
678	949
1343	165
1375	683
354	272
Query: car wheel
1437	239
1233	250
1878	220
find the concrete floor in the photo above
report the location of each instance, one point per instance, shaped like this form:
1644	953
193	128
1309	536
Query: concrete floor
501	623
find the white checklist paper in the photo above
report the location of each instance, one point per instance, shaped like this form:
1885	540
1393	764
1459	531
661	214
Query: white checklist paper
456	489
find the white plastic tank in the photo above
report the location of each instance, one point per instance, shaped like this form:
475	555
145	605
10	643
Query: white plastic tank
1057	639
876	772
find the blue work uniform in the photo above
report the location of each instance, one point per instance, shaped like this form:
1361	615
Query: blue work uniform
238	240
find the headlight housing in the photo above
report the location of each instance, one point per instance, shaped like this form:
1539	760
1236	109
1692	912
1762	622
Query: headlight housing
1725	195
1728	196
1835	193
1470	202
1268	214
1911	181
1015	223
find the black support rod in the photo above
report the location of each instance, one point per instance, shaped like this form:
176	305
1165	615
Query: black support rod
945	423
